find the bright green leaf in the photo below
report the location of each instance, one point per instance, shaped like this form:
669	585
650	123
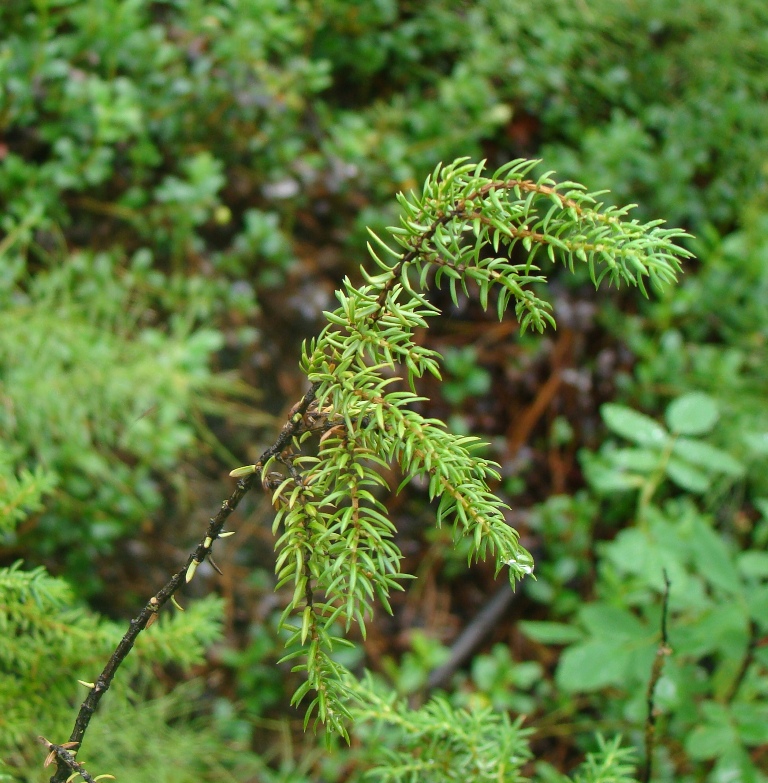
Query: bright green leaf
634	426
590	666
708	457
687	476
692	414
551	633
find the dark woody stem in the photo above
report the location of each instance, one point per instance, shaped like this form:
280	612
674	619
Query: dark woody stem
153	606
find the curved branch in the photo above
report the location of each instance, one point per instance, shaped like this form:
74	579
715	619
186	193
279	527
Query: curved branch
183	575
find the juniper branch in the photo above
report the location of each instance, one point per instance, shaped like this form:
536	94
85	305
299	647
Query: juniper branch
446	233
153	606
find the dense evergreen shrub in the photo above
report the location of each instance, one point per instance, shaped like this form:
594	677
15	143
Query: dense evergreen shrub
164	164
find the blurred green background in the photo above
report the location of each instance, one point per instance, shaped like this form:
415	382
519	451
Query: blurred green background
183	184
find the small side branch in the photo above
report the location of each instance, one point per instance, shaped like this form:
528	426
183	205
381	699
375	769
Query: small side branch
66	758
747	660
658	665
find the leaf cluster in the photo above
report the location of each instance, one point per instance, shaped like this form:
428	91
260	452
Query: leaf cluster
711	695
678	454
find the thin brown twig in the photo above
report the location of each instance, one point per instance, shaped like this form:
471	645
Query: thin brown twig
749	657
530	186
658	664
472	635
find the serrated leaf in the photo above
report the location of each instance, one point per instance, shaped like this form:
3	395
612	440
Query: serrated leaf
692	414
634	426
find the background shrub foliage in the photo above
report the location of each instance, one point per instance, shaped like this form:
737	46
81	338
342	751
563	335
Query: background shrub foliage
184	184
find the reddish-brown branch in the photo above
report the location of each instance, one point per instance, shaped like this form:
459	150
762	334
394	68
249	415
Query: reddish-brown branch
521	427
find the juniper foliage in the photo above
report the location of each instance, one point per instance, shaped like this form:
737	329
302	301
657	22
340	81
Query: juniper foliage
441	744
475	233
327	470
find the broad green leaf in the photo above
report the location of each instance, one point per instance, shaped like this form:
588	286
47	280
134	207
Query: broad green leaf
713	559
692	414
722	629
753	564
639	460
551	633
615	481
736	765
526	674
603	619
634	551
714	736
630	551
687	476
752	722
703	455
607	478
592	665
757	442
634	426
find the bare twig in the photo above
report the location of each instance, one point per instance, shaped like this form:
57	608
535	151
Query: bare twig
658	664
472	635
